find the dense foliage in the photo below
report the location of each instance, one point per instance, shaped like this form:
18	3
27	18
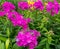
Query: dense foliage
29	24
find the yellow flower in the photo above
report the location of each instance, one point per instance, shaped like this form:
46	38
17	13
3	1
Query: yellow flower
45	3
31	4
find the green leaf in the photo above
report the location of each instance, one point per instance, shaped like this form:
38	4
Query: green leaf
2	45
8	32
2	38
50	40
16	47
7	43
42	42
58	47
47	45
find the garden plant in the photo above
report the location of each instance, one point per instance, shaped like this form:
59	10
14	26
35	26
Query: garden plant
29	24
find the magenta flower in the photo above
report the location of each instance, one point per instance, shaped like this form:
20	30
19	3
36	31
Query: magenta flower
8	6
39	5
23	5
27	38
53	7
49	6
24	23
2	13
33	45
18	20
56	7
14	17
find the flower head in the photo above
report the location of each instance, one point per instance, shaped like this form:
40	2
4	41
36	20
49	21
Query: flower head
23	5
38	5
31	3
18	20
27	38
8	6
53	7
2	13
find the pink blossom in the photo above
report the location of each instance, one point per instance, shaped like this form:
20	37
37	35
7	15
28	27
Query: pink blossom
23	5
53	7
14	17
18	20
27	38
39	5
8	6
2	13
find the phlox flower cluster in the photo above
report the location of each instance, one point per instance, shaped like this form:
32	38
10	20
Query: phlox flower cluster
7	6
39	5
53	7
25	37
26	5
16	18
23	5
